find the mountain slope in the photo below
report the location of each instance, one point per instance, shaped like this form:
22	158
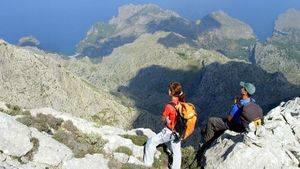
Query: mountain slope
32	79
282	51
139	74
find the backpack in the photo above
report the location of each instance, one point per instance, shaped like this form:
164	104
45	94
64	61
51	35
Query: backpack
186	119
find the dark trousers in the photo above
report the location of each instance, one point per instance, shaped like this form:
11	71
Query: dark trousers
216	126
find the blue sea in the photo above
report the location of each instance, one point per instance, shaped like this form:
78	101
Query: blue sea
60	24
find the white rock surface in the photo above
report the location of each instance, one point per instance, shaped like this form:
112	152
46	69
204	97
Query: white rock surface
110	134
95	161
277	143
50	151
14	136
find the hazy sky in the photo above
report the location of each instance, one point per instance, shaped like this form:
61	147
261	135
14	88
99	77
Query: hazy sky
60	24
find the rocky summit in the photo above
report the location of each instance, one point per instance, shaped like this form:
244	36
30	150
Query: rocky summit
276	144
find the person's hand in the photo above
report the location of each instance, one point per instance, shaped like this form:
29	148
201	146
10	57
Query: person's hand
237	99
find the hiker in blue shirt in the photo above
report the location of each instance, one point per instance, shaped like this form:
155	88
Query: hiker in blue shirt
243	112
234	121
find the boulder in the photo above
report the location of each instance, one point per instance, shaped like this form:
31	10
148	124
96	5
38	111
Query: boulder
15	137
50	151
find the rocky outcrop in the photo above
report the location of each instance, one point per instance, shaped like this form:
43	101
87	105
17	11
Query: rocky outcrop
12	131
27	147
276	144
29	41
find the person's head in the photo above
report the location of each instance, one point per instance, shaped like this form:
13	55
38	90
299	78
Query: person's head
247	89
175	90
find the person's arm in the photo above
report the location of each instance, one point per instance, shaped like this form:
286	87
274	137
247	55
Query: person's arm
165	115
233	111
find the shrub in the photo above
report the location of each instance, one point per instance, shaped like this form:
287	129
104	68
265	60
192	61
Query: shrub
35	142
80	143
44	123
188	156
124	149
139	140
103	117
15	110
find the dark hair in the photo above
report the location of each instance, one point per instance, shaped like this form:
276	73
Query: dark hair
176	90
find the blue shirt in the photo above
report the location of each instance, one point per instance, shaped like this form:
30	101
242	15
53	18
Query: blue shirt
236	110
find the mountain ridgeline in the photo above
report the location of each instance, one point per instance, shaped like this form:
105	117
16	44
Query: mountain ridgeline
123	67
137	53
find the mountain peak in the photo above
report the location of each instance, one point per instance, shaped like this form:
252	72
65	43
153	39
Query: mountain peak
225	26
287	21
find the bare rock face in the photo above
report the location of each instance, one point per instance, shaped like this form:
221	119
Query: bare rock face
277	143
91	161
15	137
50	151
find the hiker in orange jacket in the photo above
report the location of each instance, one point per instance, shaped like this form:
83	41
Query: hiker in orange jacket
168	133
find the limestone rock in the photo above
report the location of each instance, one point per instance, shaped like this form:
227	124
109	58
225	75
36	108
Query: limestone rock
14	137
95	161
50	151
277	143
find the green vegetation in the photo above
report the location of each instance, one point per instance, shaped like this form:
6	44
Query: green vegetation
103	117
42	122
230	47
137	140
132	166
116	164
188	155
15	110
35	142
162	161
124	149
80	143
64	132
289	44
182	55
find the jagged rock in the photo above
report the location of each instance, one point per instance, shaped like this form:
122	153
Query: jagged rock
94	161
276	145
50	151
15	137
